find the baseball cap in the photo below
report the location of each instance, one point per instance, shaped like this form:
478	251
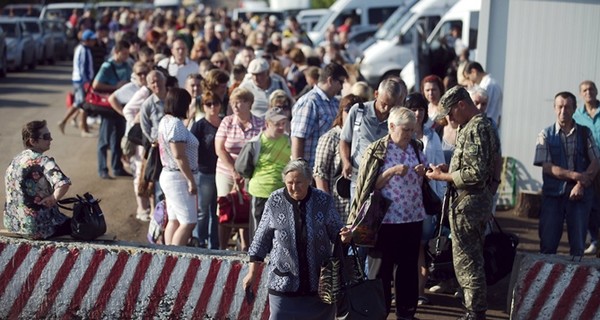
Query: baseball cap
450	98
88	35
275	114
258	65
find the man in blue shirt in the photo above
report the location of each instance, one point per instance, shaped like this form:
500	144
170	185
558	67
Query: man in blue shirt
112	75
589	116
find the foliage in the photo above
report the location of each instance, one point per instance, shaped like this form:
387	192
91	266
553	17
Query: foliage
321	3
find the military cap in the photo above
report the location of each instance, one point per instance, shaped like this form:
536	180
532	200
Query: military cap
450	98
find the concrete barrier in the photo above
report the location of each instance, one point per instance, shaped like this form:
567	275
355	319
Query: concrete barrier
54	280
553	287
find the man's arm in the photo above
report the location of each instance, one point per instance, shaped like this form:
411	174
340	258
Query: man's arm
345	148
297	147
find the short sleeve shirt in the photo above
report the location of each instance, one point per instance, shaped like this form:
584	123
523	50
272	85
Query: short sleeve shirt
369	131
172	130
404	192
235	137
273	156
112	72
30	177
312	117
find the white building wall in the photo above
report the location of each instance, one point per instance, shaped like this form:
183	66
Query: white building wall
535	49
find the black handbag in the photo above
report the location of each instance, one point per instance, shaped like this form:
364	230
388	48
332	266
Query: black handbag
431	201
361	298
135	134
88	220
244	163
499	250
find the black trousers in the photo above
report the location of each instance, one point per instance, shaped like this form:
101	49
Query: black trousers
396	253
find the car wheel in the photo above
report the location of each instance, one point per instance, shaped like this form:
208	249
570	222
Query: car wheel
21	64
4	66
33	63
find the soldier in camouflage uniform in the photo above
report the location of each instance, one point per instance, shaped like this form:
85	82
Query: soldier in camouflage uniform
474	175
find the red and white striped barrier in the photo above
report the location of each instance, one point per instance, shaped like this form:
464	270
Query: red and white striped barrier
41	280
553	288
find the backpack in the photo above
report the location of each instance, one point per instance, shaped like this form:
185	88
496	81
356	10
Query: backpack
158	223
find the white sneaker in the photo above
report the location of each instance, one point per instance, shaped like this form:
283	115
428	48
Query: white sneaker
442	287
591	250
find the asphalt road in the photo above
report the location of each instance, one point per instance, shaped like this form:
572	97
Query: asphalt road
40	94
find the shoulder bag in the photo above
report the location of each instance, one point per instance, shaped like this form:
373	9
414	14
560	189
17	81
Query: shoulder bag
96	102
244	163
151	169
360	298
499	250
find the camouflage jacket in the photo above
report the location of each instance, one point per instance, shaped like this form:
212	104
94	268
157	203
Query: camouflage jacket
477	147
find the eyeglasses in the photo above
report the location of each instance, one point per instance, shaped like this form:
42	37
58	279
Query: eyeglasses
211	104
46	136
219	62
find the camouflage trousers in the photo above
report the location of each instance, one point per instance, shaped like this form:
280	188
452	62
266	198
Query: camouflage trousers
467	224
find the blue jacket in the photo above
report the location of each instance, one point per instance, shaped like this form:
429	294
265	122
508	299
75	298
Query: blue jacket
276	236
556	187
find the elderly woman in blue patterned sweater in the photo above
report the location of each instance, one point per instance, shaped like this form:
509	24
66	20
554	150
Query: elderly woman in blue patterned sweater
297	228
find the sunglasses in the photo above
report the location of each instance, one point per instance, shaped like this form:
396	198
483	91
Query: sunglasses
211	104
218	62
46	136
141	74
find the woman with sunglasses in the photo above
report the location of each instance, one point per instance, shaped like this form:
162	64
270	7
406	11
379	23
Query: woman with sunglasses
34	184
205	129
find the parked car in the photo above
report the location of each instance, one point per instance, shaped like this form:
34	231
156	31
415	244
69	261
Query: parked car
44	40
309	18
20	43
22	10
3	54
64	10
63	46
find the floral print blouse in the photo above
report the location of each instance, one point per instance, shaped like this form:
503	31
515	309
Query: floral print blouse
30	177
404	192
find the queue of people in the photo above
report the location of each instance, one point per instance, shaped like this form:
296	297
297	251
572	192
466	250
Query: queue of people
204	89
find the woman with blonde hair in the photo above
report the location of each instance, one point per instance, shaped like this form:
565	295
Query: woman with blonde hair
220	60
391	165
234	131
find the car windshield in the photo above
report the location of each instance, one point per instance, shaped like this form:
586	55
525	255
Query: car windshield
9	29
324	21
390	22
397	28
32	27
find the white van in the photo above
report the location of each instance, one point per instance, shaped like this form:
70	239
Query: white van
465	14
393	48
365	13
308	18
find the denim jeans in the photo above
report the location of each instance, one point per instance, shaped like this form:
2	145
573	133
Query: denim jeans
594	222
207	229
555	210
109	137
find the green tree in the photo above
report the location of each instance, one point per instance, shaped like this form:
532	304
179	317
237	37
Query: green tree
321	3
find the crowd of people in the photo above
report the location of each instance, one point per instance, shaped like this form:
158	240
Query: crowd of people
203	88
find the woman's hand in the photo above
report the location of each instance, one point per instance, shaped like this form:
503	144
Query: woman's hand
420	169
400	170
192	187
345	234
48	202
